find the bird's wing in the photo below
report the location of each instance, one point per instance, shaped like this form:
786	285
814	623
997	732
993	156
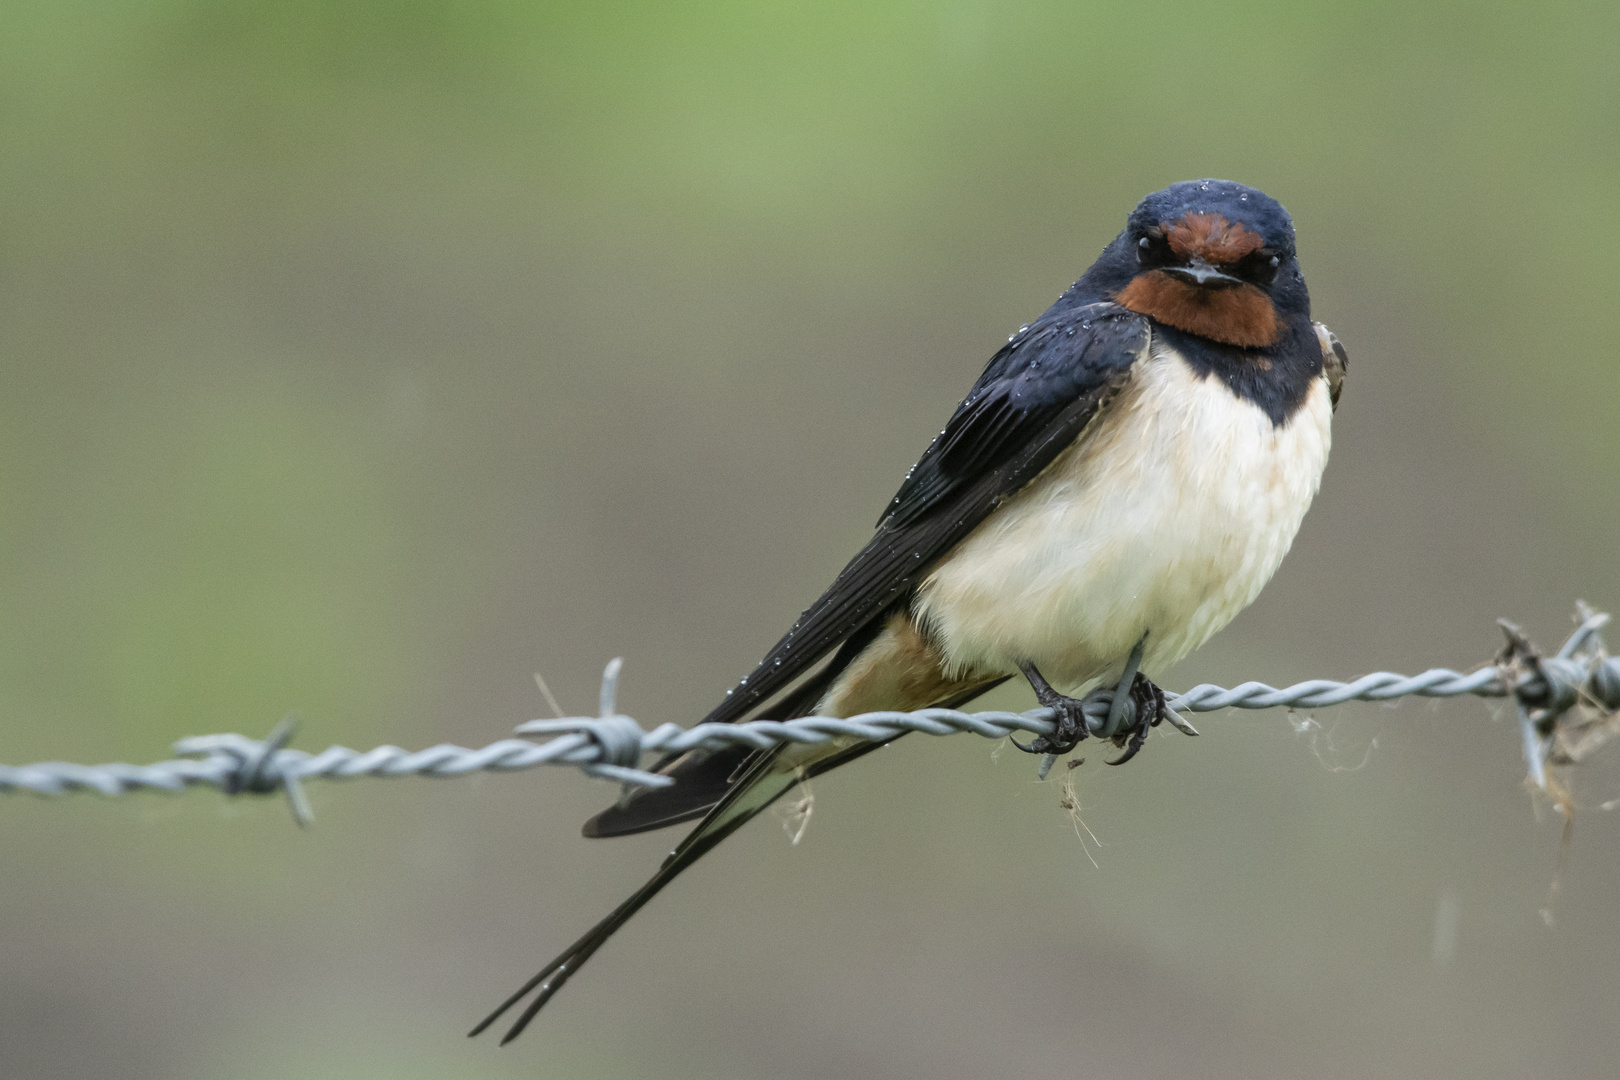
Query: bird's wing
1035	396
1335	361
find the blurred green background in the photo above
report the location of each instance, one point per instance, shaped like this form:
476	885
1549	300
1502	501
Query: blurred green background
362	358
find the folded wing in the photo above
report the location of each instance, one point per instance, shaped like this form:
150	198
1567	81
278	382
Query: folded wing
1035	396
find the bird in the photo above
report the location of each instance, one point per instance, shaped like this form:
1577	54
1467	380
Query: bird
1124	477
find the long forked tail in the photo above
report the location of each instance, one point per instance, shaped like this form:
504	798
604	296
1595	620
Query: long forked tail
751	794
762	782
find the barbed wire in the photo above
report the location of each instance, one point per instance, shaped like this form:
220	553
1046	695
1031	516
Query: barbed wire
1547	691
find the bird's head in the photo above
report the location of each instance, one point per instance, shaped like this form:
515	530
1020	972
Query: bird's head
1213	258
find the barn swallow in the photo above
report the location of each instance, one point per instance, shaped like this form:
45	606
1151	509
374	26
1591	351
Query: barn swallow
1122	480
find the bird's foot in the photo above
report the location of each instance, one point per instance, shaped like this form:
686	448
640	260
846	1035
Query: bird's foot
1068	716
1151	709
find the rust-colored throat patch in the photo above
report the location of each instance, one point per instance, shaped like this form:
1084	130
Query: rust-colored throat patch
1242	315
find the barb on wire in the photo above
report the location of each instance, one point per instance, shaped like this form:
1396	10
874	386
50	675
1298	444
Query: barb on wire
1568	704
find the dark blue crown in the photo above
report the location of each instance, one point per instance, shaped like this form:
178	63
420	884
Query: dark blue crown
1237	203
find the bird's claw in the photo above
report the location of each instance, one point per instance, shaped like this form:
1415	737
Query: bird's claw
1068	731
1068	718
1151	710
1144	703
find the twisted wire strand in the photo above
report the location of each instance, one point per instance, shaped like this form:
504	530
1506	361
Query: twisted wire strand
610	746
1320	693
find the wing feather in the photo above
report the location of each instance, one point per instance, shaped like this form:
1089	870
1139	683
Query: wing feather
1035	396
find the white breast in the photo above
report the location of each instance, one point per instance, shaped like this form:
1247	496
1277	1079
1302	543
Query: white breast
1168	515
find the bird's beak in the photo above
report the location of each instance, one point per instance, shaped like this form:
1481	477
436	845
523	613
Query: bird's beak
1198	272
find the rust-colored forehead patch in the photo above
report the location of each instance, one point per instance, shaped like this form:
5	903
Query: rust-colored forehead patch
1210	237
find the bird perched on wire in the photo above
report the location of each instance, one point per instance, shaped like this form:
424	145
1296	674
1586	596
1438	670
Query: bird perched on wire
1123	479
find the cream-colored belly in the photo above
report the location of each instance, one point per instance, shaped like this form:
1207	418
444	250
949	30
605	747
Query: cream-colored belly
1167	516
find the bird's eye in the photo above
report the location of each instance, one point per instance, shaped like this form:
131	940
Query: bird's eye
1144	243
1258	267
